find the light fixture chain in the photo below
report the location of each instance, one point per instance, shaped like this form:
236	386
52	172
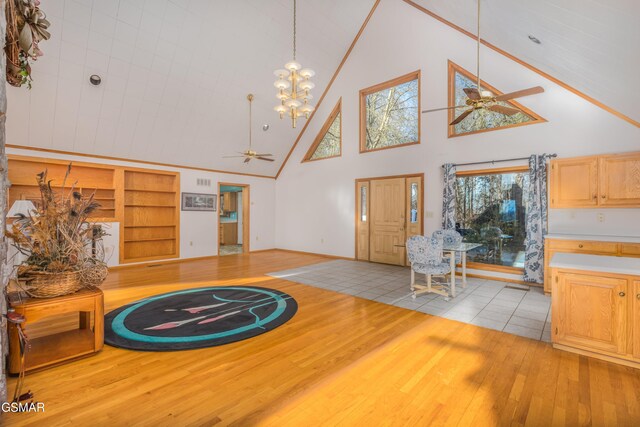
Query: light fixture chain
250	110
294	30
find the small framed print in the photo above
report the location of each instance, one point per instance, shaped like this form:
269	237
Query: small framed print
199	202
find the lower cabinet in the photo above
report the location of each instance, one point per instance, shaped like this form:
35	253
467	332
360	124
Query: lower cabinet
635	312
597	314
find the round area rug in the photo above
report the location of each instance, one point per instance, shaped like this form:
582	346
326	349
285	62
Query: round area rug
197	318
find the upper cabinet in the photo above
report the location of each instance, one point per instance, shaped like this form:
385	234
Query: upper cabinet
596	181
619	180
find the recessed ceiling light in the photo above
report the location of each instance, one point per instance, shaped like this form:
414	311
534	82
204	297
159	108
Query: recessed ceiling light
95	79
265	127
535	39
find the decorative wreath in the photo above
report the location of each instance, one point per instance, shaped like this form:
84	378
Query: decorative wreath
26	27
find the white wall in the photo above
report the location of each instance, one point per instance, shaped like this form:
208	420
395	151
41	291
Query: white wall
316	200
198	230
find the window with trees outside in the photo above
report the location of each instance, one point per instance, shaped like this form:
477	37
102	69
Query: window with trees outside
390	113
491	210
481	120
328	143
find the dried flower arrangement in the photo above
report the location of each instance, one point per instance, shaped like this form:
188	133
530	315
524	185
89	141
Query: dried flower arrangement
26	26
64	251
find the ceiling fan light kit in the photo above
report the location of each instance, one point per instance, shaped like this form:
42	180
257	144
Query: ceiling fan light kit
479	99
294	86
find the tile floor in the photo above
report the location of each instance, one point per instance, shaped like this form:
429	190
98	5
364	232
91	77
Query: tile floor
230	249
487	303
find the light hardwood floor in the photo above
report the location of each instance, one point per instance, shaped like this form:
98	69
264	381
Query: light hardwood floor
340	361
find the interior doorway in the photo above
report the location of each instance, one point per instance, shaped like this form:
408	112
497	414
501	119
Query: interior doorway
233	218
388	211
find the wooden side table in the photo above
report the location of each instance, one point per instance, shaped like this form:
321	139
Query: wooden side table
62	346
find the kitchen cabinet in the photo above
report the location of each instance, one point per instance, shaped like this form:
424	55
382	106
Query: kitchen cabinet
596	181
229	233
619	176
591	312
229	202
597	313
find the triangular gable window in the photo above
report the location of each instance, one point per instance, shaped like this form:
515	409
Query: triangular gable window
328	143
481	120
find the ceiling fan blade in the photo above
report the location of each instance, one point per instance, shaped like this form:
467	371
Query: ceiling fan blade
445	108
472	92
461	117
508	111
264	158
231	157
263	155
247	160
520	93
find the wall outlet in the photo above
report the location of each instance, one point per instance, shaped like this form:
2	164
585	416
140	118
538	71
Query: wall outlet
600	217
257	238
322	240
429	214
190	243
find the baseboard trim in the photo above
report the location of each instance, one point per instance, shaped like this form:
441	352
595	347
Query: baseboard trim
165	261
500	279
612	359
177	260
316	254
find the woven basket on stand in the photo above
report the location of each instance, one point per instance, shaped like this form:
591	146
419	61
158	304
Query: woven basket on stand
40	284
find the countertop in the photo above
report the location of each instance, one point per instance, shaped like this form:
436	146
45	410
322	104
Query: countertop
597	263
228	221
594	237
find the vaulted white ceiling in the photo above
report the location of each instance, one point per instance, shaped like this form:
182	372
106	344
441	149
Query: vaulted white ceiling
175	76
176	72
592	45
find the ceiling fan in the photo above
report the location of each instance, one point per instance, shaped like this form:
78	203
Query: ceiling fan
484	99
249	153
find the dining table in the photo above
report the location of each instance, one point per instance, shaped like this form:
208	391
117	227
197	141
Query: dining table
462	249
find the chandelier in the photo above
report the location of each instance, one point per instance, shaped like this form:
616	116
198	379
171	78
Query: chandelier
293	85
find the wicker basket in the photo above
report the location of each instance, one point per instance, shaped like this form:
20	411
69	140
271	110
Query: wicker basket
40	284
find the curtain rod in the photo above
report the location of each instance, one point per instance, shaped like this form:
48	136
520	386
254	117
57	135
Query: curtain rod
501	161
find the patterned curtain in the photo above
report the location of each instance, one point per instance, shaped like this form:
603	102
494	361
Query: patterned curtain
449	198
536	220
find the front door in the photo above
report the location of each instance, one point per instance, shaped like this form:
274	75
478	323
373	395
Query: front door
388	206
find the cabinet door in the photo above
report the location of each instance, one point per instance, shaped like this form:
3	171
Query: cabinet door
591	312
574	182
620	180
635	322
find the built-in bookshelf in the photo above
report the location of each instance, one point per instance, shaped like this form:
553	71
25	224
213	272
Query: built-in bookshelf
151	215
145	202
85	178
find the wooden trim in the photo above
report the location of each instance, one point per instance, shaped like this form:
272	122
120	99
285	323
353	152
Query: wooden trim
493	267
326	90
120	159
315	253
502	279
526	65
246	214
454	68
377	88
323	131
621	360
494	171
409	175
162	262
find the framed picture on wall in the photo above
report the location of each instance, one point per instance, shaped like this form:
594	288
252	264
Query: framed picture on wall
199	202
